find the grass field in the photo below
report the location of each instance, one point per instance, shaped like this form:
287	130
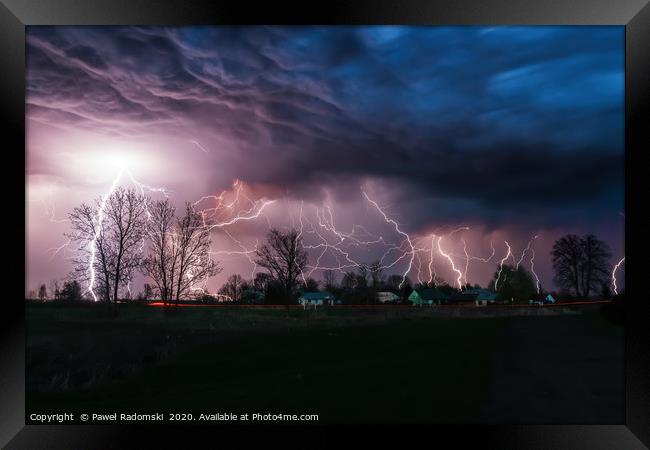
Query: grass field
347	366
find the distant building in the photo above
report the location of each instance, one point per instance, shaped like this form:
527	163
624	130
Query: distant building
485	298
387	297
541	299
428	297
480	297
317	299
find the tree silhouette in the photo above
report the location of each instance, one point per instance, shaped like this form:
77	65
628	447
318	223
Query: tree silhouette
514	283
284	257
109	237
55	291
567	257
71	291
595	269
160	265
311	285
180	251
148	292
261	282
393	282
233	287
580	263
329	279
42	292
376	273
349	281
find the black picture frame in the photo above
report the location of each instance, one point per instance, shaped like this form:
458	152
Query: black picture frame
633	14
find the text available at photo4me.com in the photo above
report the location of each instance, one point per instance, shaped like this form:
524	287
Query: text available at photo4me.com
214	417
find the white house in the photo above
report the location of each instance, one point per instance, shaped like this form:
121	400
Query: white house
484	297
387	297
316	299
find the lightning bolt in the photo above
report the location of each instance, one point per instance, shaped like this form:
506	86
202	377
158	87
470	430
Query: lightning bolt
532	269
505	258
432	273
616	267
397	228
98	230
199	146
466	259
451	262
523	253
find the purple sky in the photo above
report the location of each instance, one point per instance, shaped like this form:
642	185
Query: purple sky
510	131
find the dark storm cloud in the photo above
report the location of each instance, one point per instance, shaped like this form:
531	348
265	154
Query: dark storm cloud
499	118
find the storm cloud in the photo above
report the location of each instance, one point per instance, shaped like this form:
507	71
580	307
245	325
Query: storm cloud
444	109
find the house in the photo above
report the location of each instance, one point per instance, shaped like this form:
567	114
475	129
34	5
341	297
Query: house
317	299
428	296
387	297
484	297
541	299
468	296
480	297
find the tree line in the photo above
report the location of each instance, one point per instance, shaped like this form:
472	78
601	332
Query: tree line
127	232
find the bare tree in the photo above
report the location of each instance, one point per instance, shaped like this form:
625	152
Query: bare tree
393	282
311	285
179	251
580	263
349	280
595	269
233	287
148	292
161	263
329	279
376	273
261	281
192	252
284	257
567	254
55	289
42	292
362	276
110	238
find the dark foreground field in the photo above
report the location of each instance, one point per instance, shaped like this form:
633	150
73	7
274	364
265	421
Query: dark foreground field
347	366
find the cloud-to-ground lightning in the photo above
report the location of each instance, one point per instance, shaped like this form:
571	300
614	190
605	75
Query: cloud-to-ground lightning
334	248
451	262
616	268
532	269
505	258
523	253
397	228
98	230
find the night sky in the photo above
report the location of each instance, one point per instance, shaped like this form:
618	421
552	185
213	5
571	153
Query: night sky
510	131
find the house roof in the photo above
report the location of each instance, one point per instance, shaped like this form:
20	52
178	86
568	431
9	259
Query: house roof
478	291
317	295
486	295
431	294
465	296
